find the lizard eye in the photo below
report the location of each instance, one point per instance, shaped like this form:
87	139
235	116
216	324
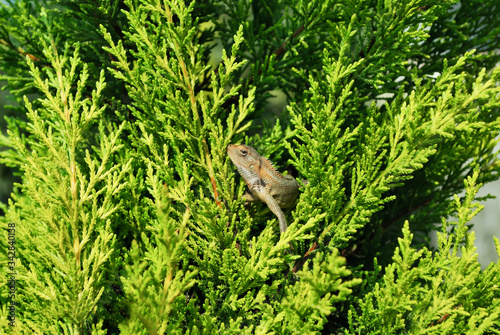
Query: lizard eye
244	152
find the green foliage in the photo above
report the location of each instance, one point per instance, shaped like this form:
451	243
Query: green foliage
128	214
434	293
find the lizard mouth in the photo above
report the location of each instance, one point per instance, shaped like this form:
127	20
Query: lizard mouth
234	150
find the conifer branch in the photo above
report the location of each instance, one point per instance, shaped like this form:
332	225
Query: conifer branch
119	123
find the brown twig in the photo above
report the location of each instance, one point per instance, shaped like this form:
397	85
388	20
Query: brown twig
301	262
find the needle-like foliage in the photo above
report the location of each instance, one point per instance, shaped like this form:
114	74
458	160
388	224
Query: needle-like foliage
126	215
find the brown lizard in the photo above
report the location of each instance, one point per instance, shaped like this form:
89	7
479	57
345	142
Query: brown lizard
265	183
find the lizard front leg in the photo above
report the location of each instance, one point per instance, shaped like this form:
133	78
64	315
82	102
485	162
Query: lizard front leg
249	197
270	202
275	208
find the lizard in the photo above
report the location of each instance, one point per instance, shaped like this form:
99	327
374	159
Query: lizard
264	181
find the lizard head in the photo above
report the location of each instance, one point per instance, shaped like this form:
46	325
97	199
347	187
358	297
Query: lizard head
245	158
244	155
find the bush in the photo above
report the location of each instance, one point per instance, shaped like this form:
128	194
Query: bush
128	217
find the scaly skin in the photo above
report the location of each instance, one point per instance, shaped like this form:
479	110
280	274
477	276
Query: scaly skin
265	183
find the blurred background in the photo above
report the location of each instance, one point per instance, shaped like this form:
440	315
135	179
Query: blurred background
487	224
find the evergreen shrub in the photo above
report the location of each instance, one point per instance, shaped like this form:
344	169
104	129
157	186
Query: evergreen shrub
127	218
